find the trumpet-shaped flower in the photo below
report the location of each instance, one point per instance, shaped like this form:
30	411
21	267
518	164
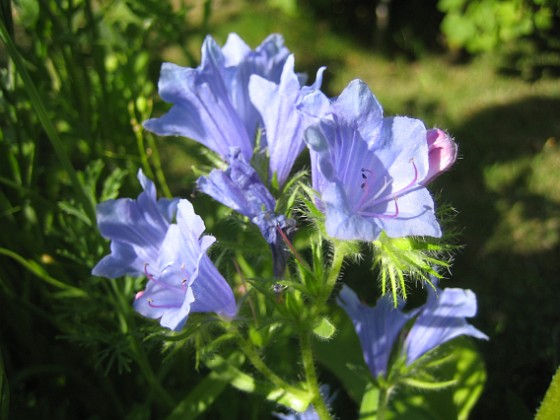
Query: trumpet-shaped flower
235	96
439	320
184	279
370	170
211	103
172	256
377	328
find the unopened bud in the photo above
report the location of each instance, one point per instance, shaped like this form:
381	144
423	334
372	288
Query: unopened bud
442	153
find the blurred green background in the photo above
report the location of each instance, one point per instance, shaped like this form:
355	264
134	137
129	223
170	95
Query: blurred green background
486	71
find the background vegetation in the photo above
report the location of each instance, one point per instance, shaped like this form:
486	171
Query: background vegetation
82	74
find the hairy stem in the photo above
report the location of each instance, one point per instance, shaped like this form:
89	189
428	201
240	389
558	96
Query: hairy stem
311	376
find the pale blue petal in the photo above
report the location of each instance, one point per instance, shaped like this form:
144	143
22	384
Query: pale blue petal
441	320
278	106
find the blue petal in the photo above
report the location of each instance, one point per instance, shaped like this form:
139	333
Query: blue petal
137	229
239	187
441	320
202	110
278	106
377	328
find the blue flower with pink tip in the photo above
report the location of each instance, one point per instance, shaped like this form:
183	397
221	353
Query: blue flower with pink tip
369	170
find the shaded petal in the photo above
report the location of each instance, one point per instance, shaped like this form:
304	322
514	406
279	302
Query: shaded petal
441	320
211	291
377	327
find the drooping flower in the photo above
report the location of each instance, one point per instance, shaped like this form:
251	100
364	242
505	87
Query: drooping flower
240	188
211	103
370	170
438	321
136	228
442	153
184	279
146	242
377	327
441	319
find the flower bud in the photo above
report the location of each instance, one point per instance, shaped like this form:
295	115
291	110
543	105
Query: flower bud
442	153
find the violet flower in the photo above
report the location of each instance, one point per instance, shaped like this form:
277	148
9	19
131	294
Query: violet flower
184	279
439	320
211	103
240	188
136	228
370	171
173	257
377	327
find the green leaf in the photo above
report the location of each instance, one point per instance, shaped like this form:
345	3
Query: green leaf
199	399
343	357
550	406
460	382
370	401
325	329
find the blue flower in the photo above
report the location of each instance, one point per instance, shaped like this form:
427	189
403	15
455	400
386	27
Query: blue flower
377	327
240	188
369	170
436	322
235	96
211	103
184	279
172	256
441	319
136	228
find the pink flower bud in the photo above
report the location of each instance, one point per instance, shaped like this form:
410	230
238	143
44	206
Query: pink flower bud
139	294
442	153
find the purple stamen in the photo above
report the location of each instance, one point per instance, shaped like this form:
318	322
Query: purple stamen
161	283
383	216
379	198
151	305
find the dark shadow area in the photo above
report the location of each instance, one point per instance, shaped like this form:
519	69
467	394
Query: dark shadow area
518	292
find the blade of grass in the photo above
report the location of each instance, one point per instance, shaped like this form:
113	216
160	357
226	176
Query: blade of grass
40	109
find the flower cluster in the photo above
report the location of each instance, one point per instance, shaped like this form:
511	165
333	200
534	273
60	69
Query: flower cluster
369	178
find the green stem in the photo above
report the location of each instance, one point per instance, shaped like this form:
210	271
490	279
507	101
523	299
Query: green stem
334	272
259	364
382	403
138	351
311	376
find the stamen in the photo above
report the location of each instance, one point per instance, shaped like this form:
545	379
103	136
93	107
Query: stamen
151	305
381	215
161	283
379	198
